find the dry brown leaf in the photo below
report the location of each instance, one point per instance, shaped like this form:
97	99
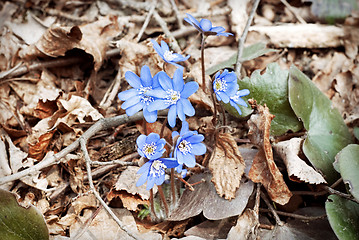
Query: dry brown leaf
246	224
92	38
296	167
226	165
263	169
38	150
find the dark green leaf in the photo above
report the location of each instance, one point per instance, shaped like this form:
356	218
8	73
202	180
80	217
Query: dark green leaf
343	216
249	53
17	223
327	132
271	88
348	162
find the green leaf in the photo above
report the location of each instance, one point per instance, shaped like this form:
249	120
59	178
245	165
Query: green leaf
333	10
343	216
271	88
249	53
348	162
17	222
356	132
327	132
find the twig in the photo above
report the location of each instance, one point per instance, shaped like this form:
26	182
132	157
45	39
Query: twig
293	215
163	198
243	38
58	62
292	10
102	124
167	32
147	20
343	195
272	210
178	16
204	87
83	141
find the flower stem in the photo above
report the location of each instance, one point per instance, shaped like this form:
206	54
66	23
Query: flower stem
152	205
162	195
203	67
173	186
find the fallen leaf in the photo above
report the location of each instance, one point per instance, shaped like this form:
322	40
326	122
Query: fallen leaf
38	149
226	165
246	224
263	169
205	198
297	168
210	229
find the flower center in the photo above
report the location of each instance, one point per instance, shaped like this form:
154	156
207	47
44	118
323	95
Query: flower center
172	96
185	147
219	85
169	56
145	98
157	168
149	149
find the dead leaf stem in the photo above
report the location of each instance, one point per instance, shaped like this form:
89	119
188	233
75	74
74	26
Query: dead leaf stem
272	210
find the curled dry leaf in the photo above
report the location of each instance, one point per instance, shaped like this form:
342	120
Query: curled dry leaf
297	169
244	226
92	38
263	169
226	165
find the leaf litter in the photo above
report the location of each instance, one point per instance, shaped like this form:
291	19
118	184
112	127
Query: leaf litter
48	108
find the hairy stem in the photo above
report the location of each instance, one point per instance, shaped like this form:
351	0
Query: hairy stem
202	65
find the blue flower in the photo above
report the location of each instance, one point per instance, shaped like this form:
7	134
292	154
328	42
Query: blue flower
237	100
151	146
225	85
136	98
173	94
153	171
205	27
188	144
167	55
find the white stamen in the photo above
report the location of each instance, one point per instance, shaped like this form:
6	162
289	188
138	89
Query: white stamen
220	85
169	56
173	96
149	149
185	147
145	98
157	168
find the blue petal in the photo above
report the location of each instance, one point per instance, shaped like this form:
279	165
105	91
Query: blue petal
177	65
225	34
159	104
189	88
195	138
133	79
179	58
152	138
205	24
127	94
131	102
217	29
178	82
164	46
157	93
157	155
198	149
165	81
180	157
150	182
185	127
194	22
155	82
179	168
190	160
230	77
172	114
160	179
146	76
169	162
174	134
145	168
180	112
150	117
134	109
188	109
224	97
243	92
141	180
140	141
157	47
236	107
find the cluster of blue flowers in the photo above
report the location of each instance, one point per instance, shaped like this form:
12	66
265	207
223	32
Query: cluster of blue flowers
159	92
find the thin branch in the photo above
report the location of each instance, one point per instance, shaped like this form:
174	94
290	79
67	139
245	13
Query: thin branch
293	10
147	20
243	38
167	32
178	16
293	215
272	210
102	124
93	189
